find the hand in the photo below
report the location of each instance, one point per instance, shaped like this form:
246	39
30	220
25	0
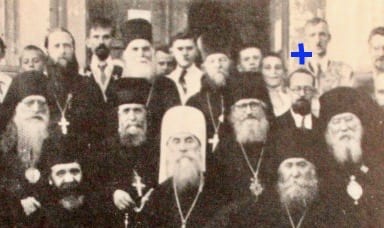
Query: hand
122	199
30	205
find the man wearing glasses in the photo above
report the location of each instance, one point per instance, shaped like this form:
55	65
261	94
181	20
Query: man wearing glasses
302	91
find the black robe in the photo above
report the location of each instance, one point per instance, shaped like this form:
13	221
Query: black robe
122	164
235	173
369	210
163	96
82	107
217	103
268	212
162	210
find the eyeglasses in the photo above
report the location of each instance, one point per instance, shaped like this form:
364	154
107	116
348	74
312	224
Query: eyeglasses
253	105
306	89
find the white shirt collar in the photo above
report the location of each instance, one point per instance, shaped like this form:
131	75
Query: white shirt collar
95	62
5	83
324	62
299	118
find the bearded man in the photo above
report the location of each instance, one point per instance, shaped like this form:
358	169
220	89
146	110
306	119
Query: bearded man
352	164
21	144
139	63
210	100
68	199
244	154
185	197
292	201
74	103
131	155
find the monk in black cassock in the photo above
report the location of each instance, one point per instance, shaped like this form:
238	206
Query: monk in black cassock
245	153
21	145
68	200
74	105
352	165
131	155
138	63
293	201
210	100
185	197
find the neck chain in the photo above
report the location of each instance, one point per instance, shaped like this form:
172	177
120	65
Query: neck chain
301	219
221	117
184	219
62	109
254	172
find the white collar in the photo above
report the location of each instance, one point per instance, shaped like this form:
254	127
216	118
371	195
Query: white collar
299	118
323	62
95	62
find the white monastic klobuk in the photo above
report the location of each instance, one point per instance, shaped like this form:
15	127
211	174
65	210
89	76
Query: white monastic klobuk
181	119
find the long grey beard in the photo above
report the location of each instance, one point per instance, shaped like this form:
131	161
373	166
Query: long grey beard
186	173
298	195
30	138
139	70
345	150
72	202
128	139
251	130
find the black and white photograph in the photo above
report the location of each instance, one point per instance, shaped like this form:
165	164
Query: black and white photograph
192	113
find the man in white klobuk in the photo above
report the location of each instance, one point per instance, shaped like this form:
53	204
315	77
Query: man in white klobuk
183	197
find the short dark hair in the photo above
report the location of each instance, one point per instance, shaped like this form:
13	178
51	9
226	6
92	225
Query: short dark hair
244	46
273	54
59	29
163	48
303	71
315	21
185	35
34	48
376	31
101	22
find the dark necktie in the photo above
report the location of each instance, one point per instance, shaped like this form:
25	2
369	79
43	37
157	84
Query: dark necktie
103	76
302	124
319	75
182	80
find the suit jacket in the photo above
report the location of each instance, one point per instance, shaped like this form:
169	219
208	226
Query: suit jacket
286	121
364	82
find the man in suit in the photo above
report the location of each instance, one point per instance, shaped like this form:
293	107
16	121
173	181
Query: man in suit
301	89
367	81
328	73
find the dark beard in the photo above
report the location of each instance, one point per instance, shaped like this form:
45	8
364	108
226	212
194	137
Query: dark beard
102	52
302	107
63	73
69	195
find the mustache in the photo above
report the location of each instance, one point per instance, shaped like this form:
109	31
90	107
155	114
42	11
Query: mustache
381	58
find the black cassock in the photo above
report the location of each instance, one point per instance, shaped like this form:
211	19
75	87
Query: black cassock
338	180
162	210
236	174
133	170
268	212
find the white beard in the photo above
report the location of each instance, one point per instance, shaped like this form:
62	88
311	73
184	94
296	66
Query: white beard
132	135
137	69
251	130
186	173
345	150
31	134
298	193
219	79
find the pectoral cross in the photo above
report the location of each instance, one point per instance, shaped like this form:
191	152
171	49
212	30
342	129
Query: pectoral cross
64	125
214	141
138	184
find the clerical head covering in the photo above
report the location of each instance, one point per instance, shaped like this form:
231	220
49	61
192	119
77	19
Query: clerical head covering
212	42
131	90
61	150
24	85
136	29
249	85
176	120
345	99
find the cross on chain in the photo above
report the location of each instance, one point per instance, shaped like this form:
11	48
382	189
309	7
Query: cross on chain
64	125
138	185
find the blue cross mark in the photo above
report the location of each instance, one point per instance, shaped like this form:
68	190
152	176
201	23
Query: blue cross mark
301	54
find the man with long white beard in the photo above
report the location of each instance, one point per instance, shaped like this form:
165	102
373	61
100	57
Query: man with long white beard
245	152
21	143
138	60
131	154
216	54
292	201
352	166
185	197
68	200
